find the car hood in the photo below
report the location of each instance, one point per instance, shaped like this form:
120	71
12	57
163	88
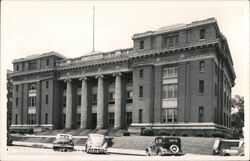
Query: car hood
62	140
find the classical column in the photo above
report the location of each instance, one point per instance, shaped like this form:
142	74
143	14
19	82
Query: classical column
100	103
68	111
118	101
84	103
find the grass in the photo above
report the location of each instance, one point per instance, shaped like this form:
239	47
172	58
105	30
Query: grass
195	145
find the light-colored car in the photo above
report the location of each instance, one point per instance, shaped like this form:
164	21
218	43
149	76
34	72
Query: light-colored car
63	142
96	143
227	147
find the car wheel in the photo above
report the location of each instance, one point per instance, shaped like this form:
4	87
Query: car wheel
159	152
226	154
148	152
174	149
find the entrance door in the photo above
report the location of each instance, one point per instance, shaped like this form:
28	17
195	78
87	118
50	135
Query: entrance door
94	120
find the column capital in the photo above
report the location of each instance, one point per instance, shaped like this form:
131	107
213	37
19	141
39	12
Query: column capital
117	74
67	80
83	78
99	76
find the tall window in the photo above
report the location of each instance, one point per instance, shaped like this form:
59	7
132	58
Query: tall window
17	88
169	115
202	34
47	62
141	73
169	91
201	86
47	84
46	118
170	71
201	114
202	66
79	100
32	101
170	41
111	98
16	121
141	91
32	66
78	119
141	45
47	99
17	67
140	115
129	96
16	101
31	119
64	101
33	86
64	119
94	99
111	118
129	118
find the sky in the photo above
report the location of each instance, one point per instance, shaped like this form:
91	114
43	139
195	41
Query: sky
36	27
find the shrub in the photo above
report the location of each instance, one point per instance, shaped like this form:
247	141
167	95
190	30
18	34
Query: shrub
218	134
148	132
184	134
126	133
164	133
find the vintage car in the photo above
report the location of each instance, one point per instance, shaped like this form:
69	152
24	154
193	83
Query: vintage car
63	142
96	143
225	147
165	145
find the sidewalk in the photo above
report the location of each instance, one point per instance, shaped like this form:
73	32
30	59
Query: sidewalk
81	148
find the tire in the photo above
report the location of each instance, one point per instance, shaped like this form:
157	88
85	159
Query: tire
148	152
174	149
226	154
159	152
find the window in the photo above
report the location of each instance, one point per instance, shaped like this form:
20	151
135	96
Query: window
31	119
47	62
17	88
47	84
79	100
202	34
17	67
169	91
140	115
111	118
16	101
202	66
16	119
129	118
201	114
215	115
170	41
201	86
171	115
64	119
32	66
94	99
141	45
216	68
129	96
78	119
141	73
215	89
47	99
32	101
33	86
141	91
46	118
111	98
64	101
170	71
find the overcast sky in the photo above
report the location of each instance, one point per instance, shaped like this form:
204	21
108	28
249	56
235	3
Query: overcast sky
36	27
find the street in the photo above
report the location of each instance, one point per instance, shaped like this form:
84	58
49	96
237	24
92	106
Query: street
26	152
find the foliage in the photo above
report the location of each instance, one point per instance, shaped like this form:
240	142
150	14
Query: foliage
148	132
126	133
237	117
164	133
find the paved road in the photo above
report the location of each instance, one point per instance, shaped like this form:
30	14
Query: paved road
15	151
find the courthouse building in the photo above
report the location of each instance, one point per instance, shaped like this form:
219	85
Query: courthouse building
177	78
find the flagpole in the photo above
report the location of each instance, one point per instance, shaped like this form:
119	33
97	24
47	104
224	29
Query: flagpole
93	28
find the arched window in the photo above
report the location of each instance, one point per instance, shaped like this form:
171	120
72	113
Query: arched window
32	86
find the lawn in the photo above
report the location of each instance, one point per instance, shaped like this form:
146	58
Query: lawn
195	145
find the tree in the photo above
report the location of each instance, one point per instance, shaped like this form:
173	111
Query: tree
237	117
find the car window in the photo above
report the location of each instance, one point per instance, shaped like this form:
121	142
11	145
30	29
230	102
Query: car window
159	140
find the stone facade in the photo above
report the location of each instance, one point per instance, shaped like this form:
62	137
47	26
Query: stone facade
178	75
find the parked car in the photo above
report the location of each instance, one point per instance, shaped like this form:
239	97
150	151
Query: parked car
96	143
226	147
165	145
9	139
63	142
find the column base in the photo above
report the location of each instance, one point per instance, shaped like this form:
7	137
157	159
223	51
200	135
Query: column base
117	127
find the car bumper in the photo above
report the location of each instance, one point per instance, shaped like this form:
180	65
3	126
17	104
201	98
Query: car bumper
97	150
63	146
166	152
